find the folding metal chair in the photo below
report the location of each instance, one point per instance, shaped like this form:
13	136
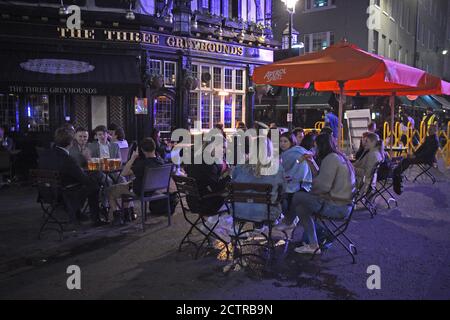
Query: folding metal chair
337	228
367	197
155	186
425	169
196	216
384	184
252	193
51	198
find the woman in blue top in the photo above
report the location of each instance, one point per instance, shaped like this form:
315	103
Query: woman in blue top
264	174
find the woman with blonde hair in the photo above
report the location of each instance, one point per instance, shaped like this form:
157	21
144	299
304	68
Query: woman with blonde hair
374	154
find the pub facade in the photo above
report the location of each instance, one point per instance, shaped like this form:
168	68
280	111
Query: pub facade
137	64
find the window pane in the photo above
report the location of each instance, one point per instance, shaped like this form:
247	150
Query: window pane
217	83
238	110
216	109
239	79
206	77
228	111
228	79
193	108
169	74
163	114
194	70
206	105
154	66
37	113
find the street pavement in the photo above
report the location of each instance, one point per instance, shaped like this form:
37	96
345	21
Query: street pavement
410	244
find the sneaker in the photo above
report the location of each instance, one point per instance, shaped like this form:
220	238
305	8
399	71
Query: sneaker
283	227
307	249
397	184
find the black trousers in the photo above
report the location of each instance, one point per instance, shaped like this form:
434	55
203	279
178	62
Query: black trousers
406	163
76	197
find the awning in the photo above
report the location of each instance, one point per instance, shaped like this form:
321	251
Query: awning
302	99
63	73
443	101
420	102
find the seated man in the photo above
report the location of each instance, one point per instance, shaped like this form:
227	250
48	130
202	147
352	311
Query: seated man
102	148
58	159
211	179
79	150
135	166
426	154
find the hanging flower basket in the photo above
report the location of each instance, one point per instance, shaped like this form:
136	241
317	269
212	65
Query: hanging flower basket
190	83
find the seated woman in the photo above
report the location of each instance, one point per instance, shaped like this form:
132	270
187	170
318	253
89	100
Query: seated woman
258	173
374	153
298	174
118	136
210	180
331	193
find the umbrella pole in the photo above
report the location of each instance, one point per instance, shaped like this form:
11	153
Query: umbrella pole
341	110
392	105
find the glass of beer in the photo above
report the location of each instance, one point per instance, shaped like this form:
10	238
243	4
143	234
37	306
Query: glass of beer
117	163
91	166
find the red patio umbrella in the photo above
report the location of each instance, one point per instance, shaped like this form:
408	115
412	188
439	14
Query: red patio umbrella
342	67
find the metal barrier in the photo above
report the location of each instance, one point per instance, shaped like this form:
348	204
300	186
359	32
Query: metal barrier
414	137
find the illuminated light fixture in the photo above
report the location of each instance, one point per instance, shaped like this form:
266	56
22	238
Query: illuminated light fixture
223	93
299	45
445	52
130	14
182	17
63	9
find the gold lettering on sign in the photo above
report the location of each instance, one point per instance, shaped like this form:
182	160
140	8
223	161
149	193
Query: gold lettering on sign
150	38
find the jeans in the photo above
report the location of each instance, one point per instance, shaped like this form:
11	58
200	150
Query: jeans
304	205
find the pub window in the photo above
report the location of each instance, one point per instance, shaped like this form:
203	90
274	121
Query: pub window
217	114
170	74
228	111
239	79
206	77
223	100
37	113
9	111
239	107
194	70
193	108
163	114
228	79
154	66
205	110
217	81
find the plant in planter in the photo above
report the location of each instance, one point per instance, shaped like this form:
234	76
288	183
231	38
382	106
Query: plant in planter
155	80
190	82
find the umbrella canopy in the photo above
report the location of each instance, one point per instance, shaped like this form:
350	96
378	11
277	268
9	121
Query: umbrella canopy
359	70
344	67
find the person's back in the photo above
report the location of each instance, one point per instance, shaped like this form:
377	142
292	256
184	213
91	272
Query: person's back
427	151
138	169
299	173
256	211
59	160
335	180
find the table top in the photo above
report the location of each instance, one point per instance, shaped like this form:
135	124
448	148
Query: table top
104	171
396	148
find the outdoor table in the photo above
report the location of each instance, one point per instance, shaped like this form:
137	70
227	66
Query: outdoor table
397	150
113	174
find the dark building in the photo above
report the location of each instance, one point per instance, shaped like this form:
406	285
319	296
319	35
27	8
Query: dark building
137	64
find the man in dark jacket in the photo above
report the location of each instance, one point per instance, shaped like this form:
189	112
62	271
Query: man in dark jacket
426	154
81	186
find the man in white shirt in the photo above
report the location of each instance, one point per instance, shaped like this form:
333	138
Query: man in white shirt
103	148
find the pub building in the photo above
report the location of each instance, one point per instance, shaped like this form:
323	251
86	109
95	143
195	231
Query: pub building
137	64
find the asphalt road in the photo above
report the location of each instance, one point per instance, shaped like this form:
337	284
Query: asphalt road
410	244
